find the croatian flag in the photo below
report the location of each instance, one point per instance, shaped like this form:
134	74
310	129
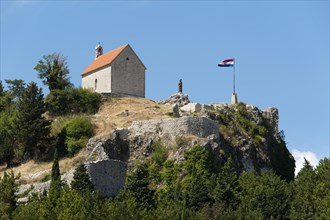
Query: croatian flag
227	63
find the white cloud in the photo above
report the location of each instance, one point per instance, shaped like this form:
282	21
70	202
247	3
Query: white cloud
299	157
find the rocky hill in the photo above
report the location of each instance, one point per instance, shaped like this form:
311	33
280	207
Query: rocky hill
128	128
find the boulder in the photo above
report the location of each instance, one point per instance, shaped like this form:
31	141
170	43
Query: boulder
105	148
191	107
178	98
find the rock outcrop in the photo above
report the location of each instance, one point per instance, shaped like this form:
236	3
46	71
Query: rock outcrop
179	99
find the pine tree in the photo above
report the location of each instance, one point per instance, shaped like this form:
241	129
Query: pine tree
227	188
137	185
32	128
264	194
16	87
196	184
322	189
8	197
81	180
303	204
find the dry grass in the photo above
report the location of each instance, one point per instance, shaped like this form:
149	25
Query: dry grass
32	171
121	112
117	113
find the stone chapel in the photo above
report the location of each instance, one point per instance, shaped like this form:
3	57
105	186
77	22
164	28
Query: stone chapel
119	72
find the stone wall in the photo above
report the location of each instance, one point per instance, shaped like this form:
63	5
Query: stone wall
107	176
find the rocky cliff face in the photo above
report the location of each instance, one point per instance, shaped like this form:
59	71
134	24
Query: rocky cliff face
248	134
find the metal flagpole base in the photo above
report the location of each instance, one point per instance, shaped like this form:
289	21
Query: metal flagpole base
234	98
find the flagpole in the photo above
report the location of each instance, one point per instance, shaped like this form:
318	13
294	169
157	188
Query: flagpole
234	77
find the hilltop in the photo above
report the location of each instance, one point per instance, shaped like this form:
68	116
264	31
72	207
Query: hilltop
127	129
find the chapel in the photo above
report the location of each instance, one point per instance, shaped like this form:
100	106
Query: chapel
119	72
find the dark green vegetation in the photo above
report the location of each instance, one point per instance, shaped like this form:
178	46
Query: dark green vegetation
190	190
26	116
235	125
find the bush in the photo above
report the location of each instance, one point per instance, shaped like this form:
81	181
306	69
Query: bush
74	146
79	127
72	101
159	153
76	132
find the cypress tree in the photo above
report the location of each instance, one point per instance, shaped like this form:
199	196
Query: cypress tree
55	182
81	180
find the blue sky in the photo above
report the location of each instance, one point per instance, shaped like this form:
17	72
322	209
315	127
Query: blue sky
281	50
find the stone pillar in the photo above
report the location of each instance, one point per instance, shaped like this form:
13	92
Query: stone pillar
234	99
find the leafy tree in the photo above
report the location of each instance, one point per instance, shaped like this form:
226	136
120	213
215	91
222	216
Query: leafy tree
81	180
73	101
31	127
54	71
8	197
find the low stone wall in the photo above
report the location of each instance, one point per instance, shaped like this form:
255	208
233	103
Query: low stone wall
107	176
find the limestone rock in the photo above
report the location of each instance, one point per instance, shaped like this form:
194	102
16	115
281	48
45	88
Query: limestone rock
114	148
171	128
191	107
178	98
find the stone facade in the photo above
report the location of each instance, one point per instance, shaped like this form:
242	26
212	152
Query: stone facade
124	73
98	81
128	76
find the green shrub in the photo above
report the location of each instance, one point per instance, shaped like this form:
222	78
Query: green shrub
75	145
159	152
72	101
76	133
79	127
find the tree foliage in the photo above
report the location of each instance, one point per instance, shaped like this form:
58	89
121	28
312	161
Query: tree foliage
72	101
76	133
81	180
31	127
54	72
8	197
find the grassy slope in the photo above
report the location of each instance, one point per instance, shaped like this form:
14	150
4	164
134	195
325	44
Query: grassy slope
111	115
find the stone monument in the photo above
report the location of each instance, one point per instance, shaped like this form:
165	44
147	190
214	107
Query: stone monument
180	86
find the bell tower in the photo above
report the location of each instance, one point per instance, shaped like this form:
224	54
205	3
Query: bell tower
98	50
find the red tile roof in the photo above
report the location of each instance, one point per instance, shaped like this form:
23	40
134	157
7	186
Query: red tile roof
104	60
